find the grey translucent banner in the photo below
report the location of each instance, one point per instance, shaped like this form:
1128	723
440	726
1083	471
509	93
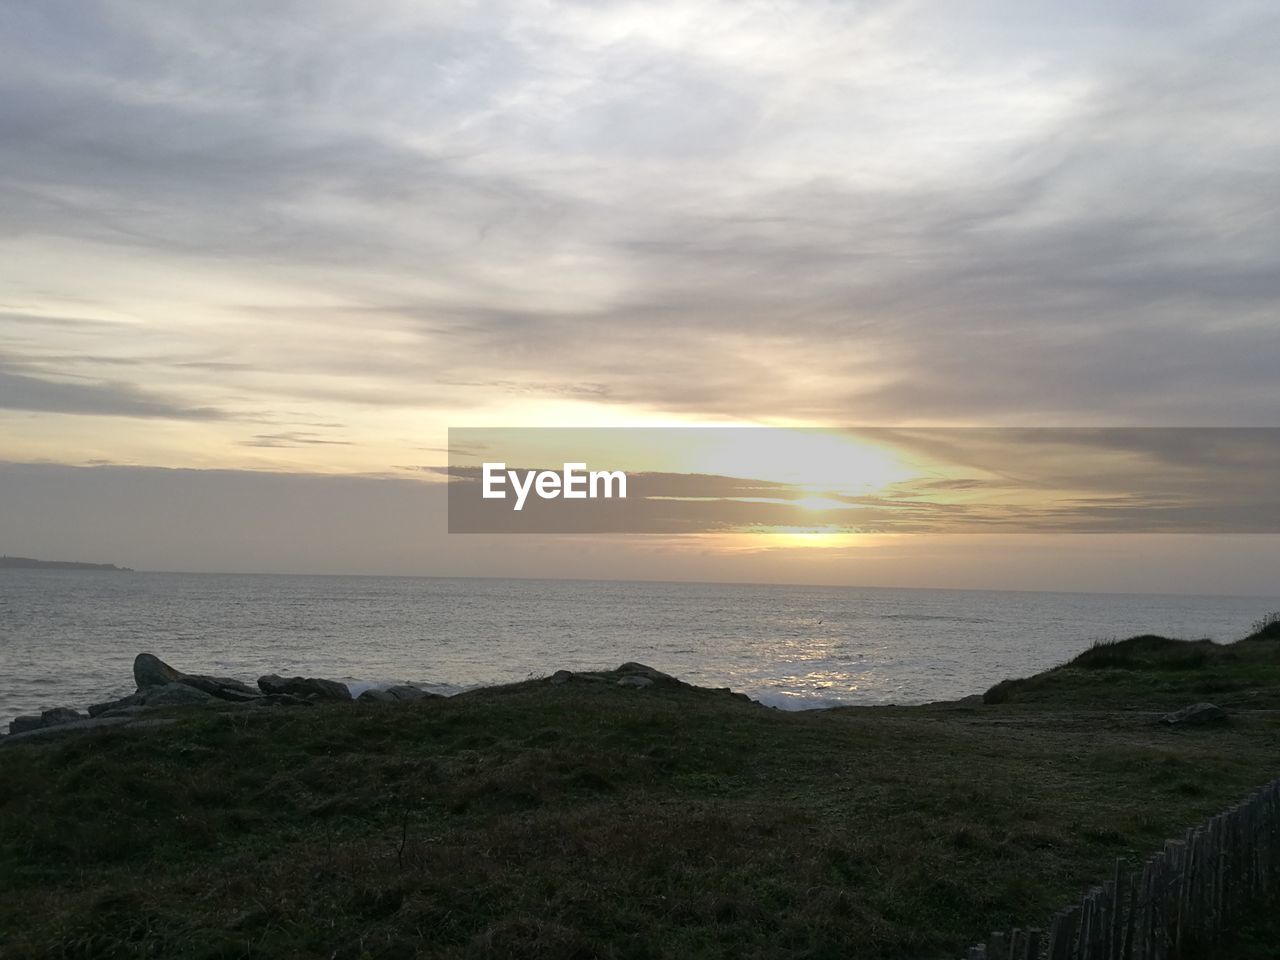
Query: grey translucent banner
864	480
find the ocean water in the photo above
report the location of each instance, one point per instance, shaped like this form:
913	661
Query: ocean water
69	638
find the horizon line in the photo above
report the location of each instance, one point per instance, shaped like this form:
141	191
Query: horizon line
709	583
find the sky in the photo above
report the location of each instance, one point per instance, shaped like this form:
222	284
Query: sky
248	245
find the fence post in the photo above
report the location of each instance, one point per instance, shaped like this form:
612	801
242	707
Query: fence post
1185	896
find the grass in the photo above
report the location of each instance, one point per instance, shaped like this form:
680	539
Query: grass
1148	672
591	820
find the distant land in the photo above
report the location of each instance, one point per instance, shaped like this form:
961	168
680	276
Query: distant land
26	563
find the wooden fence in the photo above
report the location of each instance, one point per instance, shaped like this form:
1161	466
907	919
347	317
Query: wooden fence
1181	900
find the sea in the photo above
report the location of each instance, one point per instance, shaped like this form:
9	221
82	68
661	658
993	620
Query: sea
68	638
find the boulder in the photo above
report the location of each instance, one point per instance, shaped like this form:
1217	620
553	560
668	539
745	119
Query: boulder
98	709
77	726
634	675
407	692
641	670
224	688
1195	715
150	671
400	693
173	695
136	710
51	718
24	724
309	688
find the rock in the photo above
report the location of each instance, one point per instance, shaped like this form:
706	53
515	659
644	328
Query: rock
400	693
627	675
224	688
24	724
77	726
641	670
305	687
150	671
1195	715
408	693
272	684
129	711
57	715
98	709
49	718
173	695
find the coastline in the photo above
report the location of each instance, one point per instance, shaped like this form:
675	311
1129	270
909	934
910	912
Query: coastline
159	685
795	648
565	815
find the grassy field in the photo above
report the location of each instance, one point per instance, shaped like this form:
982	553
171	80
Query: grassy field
591	820
1156	672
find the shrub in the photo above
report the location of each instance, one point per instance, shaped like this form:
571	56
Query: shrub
1268	628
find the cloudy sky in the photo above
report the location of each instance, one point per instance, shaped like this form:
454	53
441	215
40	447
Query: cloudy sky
299	239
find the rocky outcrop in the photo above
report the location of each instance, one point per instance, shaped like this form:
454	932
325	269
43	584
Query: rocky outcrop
161	685
24	724
49	718
55	717
61	715
641	670
173	695
86	724
635	675
223	688
400	693
306	688
640	676
150	672
108	706
408	693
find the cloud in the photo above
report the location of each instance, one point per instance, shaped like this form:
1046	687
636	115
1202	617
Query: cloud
21	392
1016	213
19	319
292	439
917	480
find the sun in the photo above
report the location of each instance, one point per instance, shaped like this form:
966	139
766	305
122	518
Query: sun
810	457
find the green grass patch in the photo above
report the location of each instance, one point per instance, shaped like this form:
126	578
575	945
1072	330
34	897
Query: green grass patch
589	820
1150	672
